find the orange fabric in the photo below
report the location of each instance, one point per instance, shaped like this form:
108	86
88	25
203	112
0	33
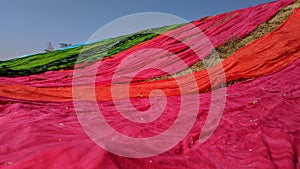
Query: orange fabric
266	55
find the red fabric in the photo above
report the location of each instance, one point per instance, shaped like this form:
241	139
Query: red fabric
265	55
218	29
260	128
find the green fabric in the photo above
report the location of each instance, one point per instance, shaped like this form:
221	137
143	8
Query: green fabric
63	59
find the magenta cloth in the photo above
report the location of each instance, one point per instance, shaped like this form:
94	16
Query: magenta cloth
218	29
260	128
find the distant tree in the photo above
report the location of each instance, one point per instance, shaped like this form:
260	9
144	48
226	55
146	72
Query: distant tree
49	47
63	45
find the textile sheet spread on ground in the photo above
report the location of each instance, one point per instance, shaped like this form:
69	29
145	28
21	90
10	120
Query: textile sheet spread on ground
187	42
260	128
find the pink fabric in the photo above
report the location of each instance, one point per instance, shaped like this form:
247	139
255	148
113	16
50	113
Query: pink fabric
260	128
238	23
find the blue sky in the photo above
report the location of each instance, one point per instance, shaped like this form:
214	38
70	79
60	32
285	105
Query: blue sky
27	25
